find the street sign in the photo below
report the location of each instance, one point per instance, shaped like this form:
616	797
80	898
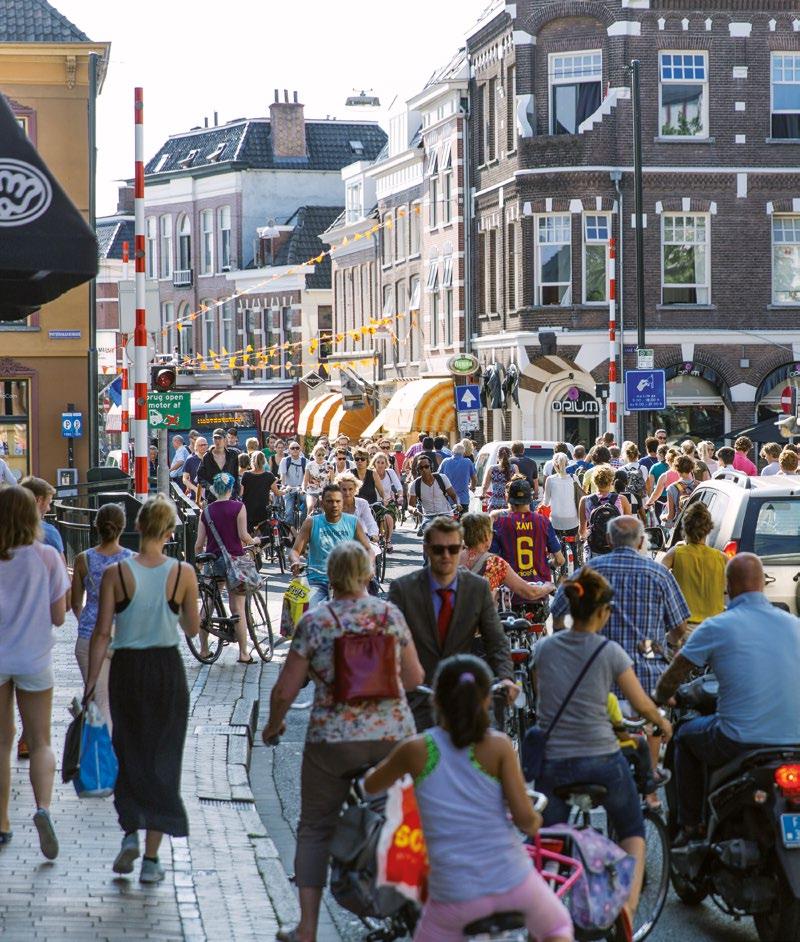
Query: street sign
468	422
645	358
71	424
467	398
312	380
787	399
463	364
169	409
645	390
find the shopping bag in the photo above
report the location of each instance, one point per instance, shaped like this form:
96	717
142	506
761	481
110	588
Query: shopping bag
71	757
295	605
402	854
98	766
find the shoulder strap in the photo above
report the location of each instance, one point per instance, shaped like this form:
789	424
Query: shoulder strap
418	488
177	581
440	482
215	532
480	562
573	688
125	595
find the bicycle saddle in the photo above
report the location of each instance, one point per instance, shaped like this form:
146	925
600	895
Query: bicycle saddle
204	557
497	922
576	790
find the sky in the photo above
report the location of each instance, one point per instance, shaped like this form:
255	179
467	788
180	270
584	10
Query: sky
195	58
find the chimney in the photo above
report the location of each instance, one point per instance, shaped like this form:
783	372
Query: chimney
288	126
125	201
216	119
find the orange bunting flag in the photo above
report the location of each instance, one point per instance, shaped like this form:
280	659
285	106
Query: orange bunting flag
180	327
232	363
320	258
225	352
249	348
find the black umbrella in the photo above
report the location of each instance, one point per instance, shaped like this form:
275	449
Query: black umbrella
46	246
762	432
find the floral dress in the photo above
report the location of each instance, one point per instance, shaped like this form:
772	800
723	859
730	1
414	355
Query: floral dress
314	640
497	484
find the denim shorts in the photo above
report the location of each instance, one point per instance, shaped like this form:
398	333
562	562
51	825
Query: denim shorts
622	803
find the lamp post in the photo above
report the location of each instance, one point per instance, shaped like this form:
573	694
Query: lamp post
641	417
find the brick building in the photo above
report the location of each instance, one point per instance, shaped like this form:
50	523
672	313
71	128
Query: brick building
551	143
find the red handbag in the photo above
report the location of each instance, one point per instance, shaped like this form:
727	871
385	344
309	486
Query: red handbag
364	664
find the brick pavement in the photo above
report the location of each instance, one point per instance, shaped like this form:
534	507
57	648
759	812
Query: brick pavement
214	888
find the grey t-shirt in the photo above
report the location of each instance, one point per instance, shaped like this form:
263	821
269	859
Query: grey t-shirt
584	728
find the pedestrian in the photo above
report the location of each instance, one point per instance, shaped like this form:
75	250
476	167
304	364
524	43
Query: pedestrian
427	451
146	598
399	457
526	466
259	488
561	448
243	460
218	459
318	474
679	492
232	439
192	468
595	510
179	459
43	493
788	461
525	539
225	521
600	455
33	586
743	446
319	535
581	744
636	473
563	495
251	447
706	452
726	457
341	460
661	436
87	576
440	448
496	479
342	737
357	506
460	471
658	497
651	457
699	569
770	454
152	461
277	457
416	448
467	782
446	608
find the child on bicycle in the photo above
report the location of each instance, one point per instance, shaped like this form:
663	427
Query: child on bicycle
467	780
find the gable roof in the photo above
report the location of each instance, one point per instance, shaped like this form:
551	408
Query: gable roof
330	145
112	231
36	21
305	243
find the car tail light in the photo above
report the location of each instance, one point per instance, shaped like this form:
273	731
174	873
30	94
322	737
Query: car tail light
787	778
731	549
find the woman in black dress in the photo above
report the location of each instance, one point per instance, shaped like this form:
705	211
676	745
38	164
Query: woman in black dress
364	474
257	486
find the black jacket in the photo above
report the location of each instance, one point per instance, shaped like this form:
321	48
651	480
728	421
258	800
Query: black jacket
209	469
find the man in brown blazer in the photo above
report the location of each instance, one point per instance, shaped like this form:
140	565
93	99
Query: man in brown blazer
445	607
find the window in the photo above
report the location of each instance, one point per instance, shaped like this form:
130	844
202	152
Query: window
786	259
209	327
400	308
490	122
786	94
511	256
151	266
184	244
354	202
413	309
207	242
448	317
511	99
388	301
186	332
447	265
227	337
165	246
415	225
576	80
432	278
433	206
436	311
401	234
224	222
684	94
387	239
491	304
554	260
170	339
481	123
596	234
685	269
447	182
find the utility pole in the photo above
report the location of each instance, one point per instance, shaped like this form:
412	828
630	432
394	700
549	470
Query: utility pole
641	417
92	416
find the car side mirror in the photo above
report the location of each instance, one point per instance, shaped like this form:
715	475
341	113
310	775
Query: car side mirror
655	538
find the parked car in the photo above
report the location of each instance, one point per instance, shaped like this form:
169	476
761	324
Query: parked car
540	451
755	515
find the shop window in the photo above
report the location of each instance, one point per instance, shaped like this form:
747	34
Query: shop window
786	95
596	233
554	259
15	425
683	88
685	260
576	80
786	259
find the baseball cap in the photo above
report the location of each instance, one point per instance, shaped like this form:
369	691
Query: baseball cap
519	492
218	433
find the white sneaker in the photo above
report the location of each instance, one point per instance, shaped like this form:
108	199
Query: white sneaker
128	852
152	872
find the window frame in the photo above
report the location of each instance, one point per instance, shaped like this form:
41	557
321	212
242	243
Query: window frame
165	240
401	234
387	243
151	247
707	243
184	242
706	111
432	272
170	331
553	82
566	300
415	229
224	243
585	242
774	219
772	111
207	242
433	202
209	322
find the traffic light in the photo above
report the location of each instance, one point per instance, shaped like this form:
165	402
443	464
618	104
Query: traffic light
162	378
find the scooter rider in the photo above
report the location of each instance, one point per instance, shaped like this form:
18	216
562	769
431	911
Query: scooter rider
753	649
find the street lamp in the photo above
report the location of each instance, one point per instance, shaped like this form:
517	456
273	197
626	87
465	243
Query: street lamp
641	417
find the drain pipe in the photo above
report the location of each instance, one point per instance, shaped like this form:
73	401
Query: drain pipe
466	116
616	179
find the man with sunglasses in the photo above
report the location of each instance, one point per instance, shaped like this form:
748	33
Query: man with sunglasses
217	459
446	607
432	491
292	472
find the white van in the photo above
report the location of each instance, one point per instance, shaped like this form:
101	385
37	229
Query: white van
540	451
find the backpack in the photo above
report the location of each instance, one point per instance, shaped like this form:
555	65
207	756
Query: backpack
635	481
418	485
603	510
685	490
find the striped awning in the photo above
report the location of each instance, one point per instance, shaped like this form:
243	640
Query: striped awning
275	405
350	422
315	412
280	416
423	405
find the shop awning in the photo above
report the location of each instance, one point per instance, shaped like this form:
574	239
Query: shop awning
350	422
703	371
423	405
46	246
275	407
315	412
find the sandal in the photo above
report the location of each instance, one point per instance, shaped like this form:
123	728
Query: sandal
250	660
287	935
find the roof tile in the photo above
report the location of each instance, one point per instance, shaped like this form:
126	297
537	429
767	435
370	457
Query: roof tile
36	21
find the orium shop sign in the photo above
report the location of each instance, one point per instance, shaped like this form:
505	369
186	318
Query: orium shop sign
576	402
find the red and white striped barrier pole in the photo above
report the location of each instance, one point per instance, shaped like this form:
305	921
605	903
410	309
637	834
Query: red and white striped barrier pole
612	336
140	331
124	461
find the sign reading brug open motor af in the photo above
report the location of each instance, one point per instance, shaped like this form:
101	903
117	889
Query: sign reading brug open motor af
169	409
645	390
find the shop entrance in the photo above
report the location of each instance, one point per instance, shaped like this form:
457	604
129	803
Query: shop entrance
580	414
694	410
580	431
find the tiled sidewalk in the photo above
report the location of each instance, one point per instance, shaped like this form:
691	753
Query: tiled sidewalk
213	888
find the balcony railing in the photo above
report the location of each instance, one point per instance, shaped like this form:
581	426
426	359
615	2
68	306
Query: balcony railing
182	278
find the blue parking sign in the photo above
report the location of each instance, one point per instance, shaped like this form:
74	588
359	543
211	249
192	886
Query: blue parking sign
645	390
71	424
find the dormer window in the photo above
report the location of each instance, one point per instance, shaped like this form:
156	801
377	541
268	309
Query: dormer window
216	154
188	160
357	147
162	161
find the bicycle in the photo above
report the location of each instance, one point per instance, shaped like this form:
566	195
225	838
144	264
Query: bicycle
571	550
219	624
277	537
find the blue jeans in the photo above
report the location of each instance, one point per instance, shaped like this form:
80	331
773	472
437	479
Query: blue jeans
700	745
290	501
622	804
320	592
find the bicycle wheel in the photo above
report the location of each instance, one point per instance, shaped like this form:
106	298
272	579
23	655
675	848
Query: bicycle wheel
655	884
380	563
280	553
259	626
210	606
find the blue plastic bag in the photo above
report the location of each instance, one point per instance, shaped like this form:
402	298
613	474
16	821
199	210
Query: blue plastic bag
98	767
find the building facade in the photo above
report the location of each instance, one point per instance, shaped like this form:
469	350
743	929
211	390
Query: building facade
44	73
552	150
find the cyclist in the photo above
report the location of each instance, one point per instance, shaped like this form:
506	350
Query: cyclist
389	494
292	471
460	471
582	745
598	508
679	492
432	491
318	474
467	781
563	495
524	539
352	504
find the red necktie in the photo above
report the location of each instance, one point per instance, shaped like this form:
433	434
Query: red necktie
445	613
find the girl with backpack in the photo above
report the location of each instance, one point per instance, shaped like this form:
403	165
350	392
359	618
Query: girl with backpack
597	509
636	480
467	781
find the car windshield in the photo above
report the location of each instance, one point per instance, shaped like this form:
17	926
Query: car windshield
774	524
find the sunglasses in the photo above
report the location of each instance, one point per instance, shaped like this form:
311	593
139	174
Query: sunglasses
361	459
218	437
439	549
294	448
423	467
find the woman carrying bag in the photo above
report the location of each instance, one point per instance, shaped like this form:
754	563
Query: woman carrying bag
147	597
347	730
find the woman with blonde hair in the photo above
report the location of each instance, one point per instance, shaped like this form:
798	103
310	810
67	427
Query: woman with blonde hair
147	597
389	492
563	495
603	480
318	474
33	585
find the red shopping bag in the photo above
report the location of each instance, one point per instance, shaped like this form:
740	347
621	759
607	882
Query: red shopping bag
402	854
544	511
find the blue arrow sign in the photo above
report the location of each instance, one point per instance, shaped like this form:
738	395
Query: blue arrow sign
645	390
71	424
467	398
